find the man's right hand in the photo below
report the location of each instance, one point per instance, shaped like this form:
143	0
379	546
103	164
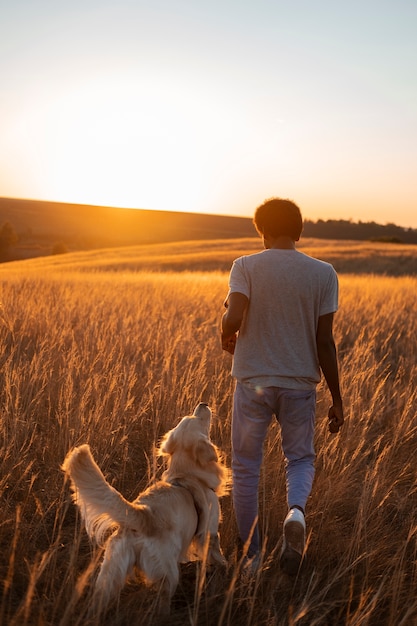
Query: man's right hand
229	343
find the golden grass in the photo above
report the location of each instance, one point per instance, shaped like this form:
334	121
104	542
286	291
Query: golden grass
114	359
218	255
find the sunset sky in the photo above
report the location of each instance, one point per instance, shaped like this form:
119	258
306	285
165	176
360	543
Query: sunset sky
212	106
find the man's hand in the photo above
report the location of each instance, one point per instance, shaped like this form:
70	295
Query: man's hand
235	305
229	343
336	418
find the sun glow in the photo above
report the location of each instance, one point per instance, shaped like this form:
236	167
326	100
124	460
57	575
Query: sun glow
119	144
157	142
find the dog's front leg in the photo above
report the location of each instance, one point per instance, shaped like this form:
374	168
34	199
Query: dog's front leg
209	531
215	554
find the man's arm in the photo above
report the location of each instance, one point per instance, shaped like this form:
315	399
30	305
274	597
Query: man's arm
232	320
326	350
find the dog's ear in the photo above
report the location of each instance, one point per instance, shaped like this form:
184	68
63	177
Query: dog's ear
169	443
205	452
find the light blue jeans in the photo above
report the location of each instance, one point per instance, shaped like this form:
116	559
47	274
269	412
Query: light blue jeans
253	409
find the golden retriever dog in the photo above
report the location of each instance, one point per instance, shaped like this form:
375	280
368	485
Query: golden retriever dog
172	521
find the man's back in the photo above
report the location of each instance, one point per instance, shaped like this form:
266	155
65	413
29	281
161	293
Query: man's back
287	291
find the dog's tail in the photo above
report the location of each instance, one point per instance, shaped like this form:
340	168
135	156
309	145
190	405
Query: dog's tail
102	507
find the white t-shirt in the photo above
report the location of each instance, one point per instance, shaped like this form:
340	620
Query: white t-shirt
288	291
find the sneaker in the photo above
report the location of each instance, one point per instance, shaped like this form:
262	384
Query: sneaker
293	542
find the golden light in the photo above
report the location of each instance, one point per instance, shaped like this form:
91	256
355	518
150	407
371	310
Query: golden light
117	144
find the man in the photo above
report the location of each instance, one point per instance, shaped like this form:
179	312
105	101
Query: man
279	327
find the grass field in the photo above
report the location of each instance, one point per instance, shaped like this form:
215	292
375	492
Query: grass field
98	348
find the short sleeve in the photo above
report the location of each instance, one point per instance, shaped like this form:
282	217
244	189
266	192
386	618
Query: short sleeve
238	281
330	300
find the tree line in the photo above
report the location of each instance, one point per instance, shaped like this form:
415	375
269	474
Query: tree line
8	239
359	231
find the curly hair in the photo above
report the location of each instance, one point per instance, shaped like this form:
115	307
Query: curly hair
278	217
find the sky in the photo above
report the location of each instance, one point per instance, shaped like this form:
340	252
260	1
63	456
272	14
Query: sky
212	106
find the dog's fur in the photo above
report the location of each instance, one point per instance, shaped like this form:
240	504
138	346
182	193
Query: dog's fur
166	523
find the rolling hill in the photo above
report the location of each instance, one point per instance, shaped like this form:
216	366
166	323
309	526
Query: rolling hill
42	224
45	228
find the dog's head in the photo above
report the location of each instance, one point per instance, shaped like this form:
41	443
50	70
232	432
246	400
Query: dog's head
192	455
191	436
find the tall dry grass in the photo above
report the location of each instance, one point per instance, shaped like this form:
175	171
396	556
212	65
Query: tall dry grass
114	359
217	255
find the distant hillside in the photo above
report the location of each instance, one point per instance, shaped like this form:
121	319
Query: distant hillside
43	227
87	227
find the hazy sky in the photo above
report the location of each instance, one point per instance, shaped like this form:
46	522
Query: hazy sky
212	106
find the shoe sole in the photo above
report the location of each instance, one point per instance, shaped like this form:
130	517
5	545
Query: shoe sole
293	548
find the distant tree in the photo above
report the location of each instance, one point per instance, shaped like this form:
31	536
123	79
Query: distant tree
8	239
363	231
60	248
387	239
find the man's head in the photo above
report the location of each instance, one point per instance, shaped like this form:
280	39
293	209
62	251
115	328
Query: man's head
278	218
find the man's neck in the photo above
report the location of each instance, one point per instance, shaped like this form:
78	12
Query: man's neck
278	243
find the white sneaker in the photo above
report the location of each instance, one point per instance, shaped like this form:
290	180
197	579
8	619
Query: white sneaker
293	542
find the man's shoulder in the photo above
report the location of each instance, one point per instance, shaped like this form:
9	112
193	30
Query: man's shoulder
289	258
315	262
248	258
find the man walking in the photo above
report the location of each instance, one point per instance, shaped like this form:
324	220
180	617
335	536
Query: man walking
278	325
